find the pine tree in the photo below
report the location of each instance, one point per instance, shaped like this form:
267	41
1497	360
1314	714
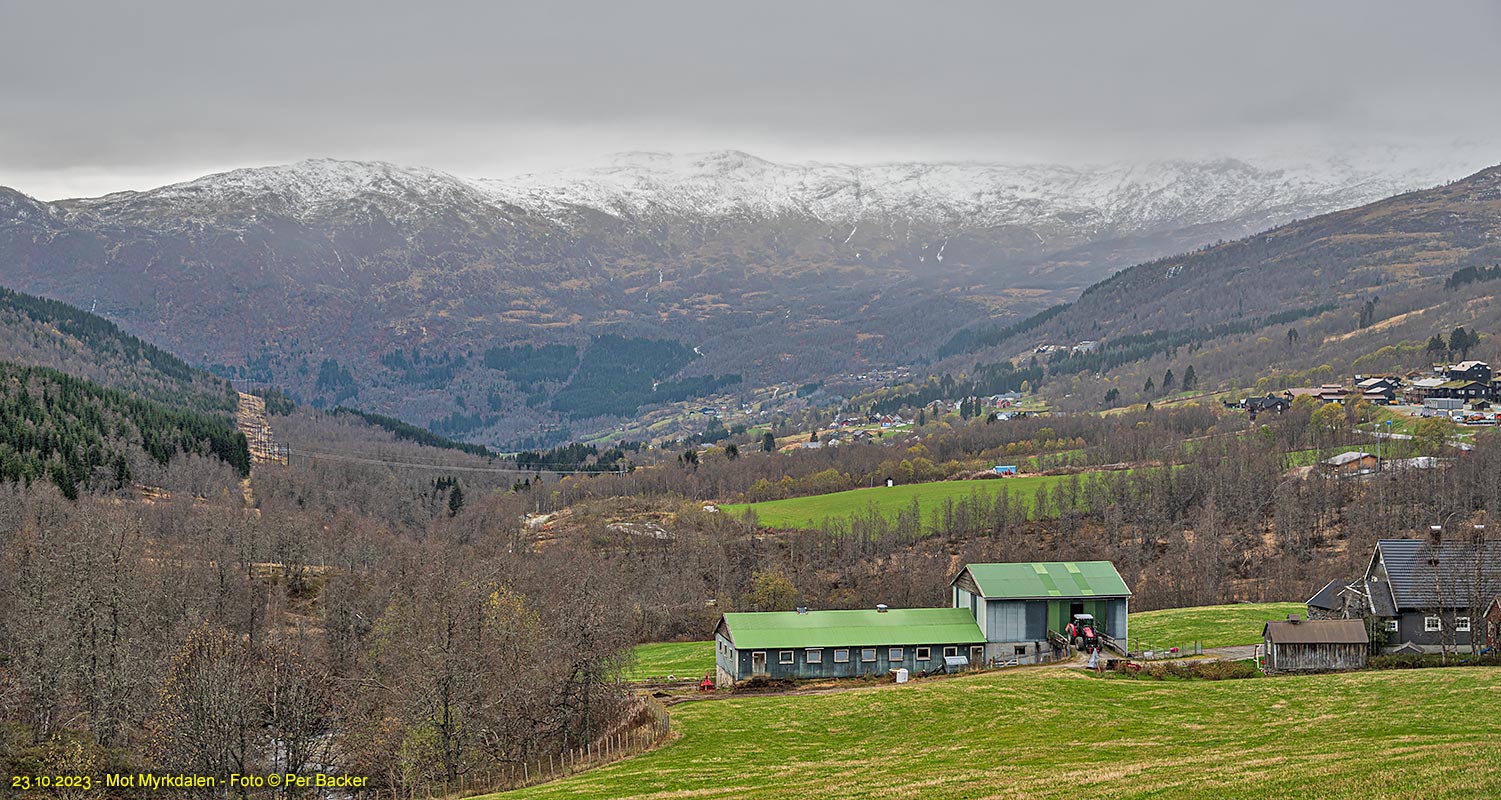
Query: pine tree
1167	381
1190	379
768	442
455	501
1149	386
1462	340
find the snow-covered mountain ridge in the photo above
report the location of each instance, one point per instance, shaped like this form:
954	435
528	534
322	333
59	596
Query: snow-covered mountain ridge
1122	197
647	187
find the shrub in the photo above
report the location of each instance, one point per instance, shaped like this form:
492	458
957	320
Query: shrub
1188	670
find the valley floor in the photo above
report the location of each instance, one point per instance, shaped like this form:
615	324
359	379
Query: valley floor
1063	734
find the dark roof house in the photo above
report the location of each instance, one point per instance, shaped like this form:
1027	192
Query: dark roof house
1419	574
1428	594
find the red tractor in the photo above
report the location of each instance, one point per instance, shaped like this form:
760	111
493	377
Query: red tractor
1081	631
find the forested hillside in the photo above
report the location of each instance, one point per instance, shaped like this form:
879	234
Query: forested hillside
1355	290
42	332
80	435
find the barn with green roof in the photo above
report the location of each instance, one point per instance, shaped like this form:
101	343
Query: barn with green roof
1016	605
840	644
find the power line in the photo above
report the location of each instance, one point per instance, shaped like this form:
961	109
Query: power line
454	468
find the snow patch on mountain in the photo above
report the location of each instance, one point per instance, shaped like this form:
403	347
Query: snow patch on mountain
1121	198
1071	203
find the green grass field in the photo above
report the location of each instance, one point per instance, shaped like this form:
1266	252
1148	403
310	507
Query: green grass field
1055	733
684	659
811	511
1212	626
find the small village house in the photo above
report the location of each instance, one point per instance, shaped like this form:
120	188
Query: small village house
1297	645
843	644
1271	403
1351	464
1017	605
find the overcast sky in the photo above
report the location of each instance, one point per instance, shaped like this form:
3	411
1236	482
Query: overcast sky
102	96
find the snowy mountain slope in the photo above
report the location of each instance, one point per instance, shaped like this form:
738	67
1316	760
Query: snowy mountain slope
775	271
1120	198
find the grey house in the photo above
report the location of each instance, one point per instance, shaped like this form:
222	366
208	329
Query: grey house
1428	596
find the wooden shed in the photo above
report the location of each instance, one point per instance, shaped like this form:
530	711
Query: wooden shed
1297	645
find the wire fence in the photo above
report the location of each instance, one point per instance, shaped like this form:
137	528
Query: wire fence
645	725
1156	651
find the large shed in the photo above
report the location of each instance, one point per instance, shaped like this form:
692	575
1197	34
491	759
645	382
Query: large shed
1295	645
839	644
1017	604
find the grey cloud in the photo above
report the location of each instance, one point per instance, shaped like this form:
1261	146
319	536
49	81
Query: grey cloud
163	88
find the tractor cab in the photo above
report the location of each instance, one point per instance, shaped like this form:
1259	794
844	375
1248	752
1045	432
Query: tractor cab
1083	633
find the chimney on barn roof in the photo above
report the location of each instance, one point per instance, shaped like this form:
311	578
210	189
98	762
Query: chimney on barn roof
1294	618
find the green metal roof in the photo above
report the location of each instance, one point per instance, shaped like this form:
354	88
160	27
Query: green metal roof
770	630
1048	579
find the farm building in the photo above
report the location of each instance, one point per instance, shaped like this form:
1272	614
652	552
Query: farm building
1353	463
1427	596
1018	605
841	644
1295	645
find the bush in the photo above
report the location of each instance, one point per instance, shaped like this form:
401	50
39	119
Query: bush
1425	660
1188	670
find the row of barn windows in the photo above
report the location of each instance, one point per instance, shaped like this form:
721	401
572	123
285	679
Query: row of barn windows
814	655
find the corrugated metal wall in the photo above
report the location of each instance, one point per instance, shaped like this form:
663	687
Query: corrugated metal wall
1006	621
1116	620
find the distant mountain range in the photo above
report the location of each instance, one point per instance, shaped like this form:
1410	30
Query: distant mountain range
387	286
1358	290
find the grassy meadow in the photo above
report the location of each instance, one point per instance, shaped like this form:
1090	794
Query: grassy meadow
684	659
1057	733
1212	626
811	511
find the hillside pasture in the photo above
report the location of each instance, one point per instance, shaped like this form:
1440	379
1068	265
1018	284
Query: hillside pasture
1211	626
1057	733
686	660
810	512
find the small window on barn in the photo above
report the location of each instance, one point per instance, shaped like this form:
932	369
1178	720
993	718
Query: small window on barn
1461	623
1432	624
894	654
814	656
841	656
868	654
785	657
924	653
950	651
1393	626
